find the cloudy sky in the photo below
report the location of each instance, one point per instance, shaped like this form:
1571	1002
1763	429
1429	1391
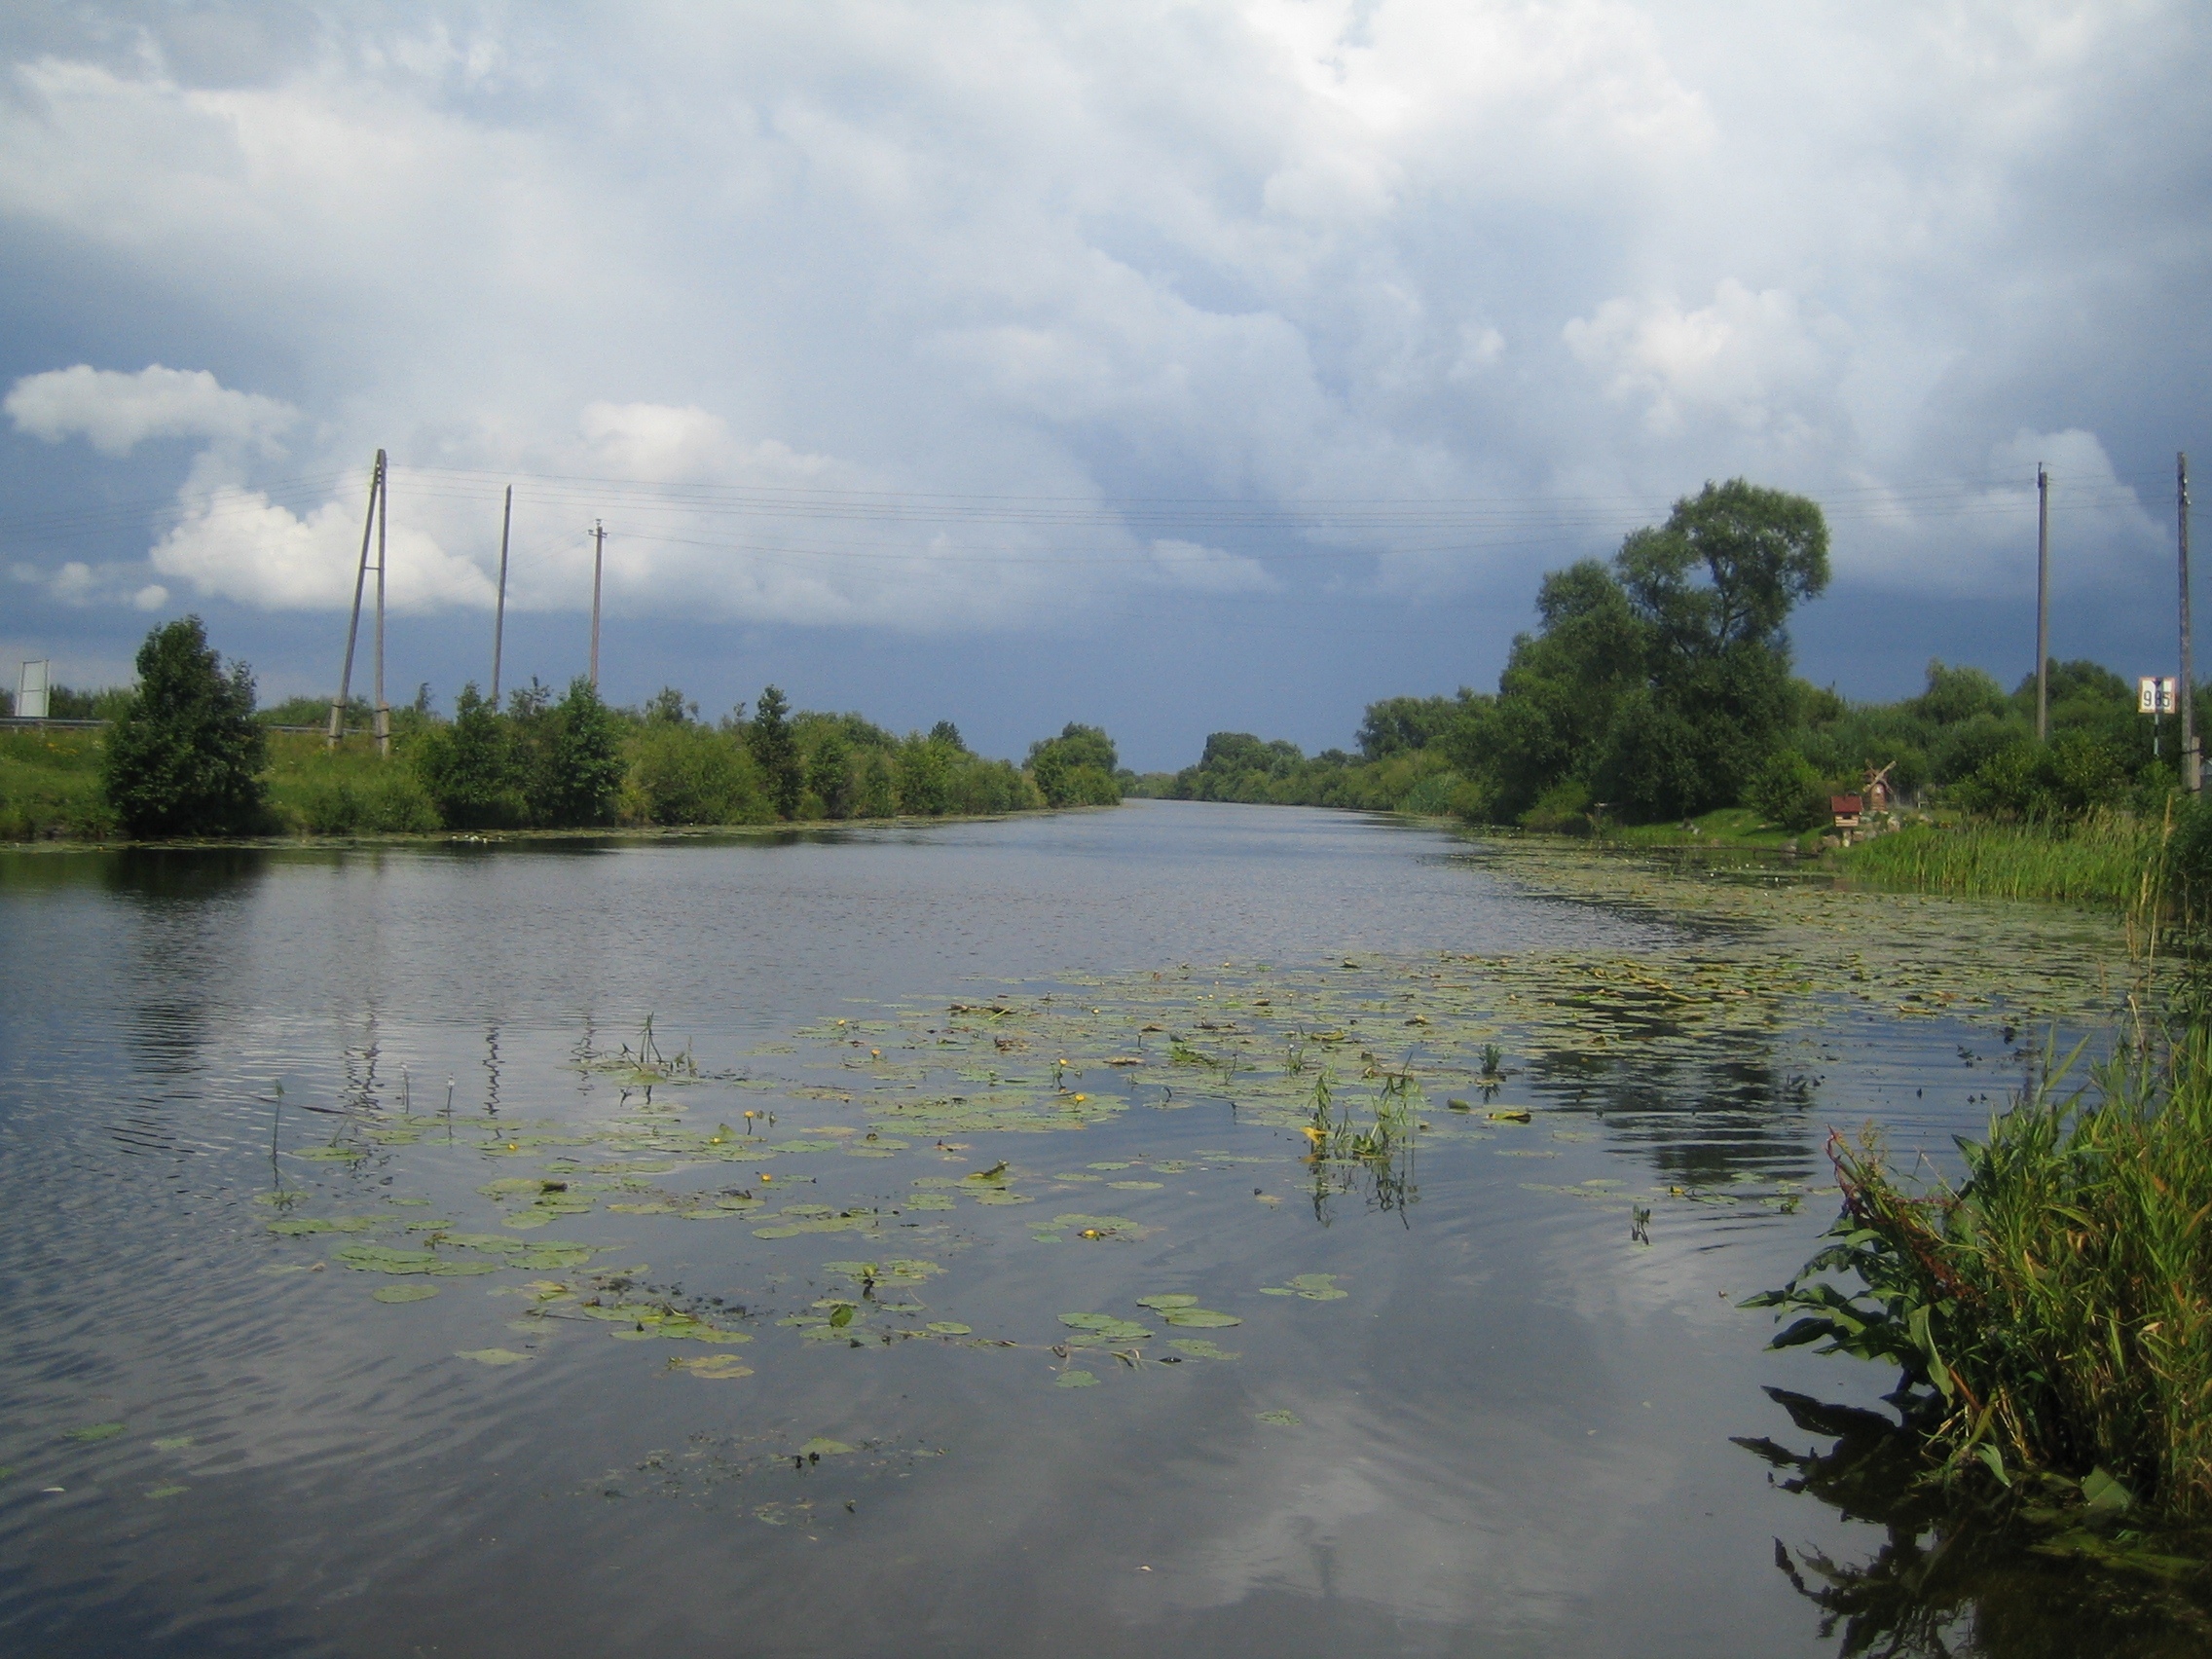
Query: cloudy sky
1178	367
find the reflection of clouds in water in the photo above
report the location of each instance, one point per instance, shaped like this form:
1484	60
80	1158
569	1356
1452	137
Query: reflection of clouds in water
1409	1512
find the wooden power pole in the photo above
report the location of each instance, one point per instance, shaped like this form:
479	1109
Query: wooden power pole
353	627
384	709
2043	605
500	616
2191	764
598	561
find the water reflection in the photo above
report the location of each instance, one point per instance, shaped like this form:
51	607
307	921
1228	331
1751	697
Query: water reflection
1955	1575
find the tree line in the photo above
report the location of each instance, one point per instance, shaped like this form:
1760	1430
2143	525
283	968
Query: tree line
1658	685
189	754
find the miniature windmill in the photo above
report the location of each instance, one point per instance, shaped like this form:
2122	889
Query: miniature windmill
1878	792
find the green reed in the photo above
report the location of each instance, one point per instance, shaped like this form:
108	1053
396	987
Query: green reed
2098	859
2053	1310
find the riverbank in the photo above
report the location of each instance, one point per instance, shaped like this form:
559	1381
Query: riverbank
50	795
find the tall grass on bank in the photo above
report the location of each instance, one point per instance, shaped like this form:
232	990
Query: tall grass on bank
49	787
2053	1311
2098	859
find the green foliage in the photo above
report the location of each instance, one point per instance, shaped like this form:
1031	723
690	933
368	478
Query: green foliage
359	794
570	758
2051	1311
775	751
830	775
49	787
1076	768
469	769
668	707
2099	859
2075	772
689	774
948	734
1788	792
878	787
186	756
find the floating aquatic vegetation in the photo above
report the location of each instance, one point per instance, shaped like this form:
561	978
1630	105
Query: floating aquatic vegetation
404	1292
821	1447
174	1443
949	1328
161	1491
1313	1287
714	1366
1075	1379
1282	1420
493	1356
1200	1348
93	1433
1199	1318
1103	1329
300	1227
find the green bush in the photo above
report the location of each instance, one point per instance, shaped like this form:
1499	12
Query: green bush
185	758
1563	809
879	787
1076	768
2051	1311
1788	793
389	801
468	769
684	774
571	763
830	775
775	751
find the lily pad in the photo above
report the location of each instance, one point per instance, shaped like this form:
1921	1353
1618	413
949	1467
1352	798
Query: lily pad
404	1292
1136	1186
1282	1420
1315	1287
821	1448
492	1357
1200	1348
719	1366
949	1328
1075	1379
166	1490
1201	1318
1105	1328
93	1433
386	1258
1163	1303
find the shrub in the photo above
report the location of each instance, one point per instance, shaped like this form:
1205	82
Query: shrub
776	752
830	775
1788	792
573	771
468	769
186	755
1563	809
691	775
2050	1312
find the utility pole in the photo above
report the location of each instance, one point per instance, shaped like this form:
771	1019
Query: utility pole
353	627
597	561
2191	764
384	709
2043	605
500	616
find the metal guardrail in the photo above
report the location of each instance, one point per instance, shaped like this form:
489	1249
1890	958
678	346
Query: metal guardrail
31	723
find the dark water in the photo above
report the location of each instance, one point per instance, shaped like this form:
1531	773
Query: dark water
1514	1436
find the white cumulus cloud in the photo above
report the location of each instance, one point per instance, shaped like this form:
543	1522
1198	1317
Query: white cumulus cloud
116	412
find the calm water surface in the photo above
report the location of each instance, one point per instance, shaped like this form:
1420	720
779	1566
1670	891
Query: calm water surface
1513	1436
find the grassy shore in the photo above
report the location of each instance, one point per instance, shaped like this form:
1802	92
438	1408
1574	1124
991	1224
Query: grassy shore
2101	860
2051	1312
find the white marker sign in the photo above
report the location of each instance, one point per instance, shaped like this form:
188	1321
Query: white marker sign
2156	694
